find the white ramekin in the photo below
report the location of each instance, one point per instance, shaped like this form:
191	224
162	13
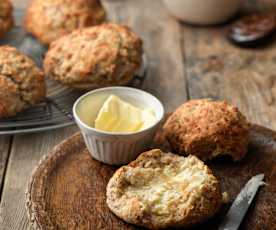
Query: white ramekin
116	148
203	12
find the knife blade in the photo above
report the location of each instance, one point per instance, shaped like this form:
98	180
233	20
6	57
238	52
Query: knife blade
237	211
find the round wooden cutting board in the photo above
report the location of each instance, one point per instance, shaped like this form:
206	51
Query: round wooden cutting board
67	190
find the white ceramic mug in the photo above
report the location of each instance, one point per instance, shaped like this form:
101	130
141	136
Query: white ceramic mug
203	12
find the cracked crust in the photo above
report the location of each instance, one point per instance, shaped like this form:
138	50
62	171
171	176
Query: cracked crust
48	20
21	82
6	17
162	190
104	55
208	129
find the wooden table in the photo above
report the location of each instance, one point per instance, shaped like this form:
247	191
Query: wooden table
185	62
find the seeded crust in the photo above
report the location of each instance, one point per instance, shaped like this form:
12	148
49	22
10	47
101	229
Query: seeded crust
164	190
208	129
21	82
6	17
48	20
99	56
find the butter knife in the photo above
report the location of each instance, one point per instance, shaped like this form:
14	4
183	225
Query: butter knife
237	211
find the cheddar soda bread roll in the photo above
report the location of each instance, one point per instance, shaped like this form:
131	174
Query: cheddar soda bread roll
48	20
6	17
99	56
208	129
21	82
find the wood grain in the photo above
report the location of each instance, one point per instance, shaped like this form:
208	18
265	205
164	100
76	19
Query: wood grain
218	69
58	193
5	143
25	154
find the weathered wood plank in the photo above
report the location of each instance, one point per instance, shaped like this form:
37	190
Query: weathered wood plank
5	143
25	154
245	77
161	35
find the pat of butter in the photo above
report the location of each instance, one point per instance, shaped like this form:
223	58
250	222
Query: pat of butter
117	115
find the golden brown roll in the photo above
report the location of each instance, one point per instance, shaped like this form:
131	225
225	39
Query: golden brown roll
208	129
164	190
6	17
48	20
21	83
98	56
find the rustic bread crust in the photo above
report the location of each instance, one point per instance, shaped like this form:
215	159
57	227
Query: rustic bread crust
162	190
104	55
6	17
48	20
21	83
208	129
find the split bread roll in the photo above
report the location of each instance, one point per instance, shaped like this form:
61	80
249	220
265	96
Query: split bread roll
161	190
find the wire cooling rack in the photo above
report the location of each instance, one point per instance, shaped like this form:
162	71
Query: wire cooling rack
56	111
